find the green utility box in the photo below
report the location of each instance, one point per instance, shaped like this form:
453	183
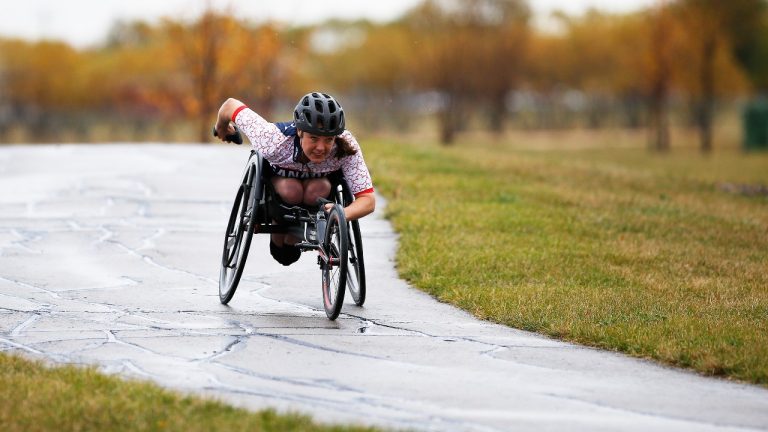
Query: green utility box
755	119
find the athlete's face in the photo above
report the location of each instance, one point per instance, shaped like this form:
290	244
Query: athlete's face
316	147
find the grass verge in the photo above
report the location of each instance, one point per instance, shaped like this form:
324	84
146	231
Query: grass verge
591	239
39	398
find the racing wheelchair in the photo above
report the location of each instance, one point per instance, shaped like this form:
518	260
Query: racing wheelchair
257	209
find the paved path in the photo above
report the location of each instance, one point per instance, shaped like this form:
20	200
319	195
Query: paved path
109	255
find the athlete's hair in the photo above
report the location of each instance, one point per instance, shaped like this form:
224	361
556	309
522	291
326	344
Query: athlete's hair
343	147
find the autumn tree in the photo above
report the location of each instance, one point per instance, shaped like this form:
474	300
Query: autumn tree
470	51
718	31
646	56
136	71
502	30
546	71
443	48
467	56
224	57
659	75
371	64
42	81
751	47
595	55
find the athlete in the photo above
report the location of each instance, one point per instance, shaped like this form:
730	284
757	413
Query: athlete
302	154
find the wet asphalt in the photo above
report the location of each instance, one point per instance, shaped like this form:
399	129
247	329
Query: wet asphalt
109	256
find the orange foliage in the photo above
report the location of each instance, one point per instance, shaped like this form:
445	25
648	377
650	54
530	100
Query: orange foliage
472	54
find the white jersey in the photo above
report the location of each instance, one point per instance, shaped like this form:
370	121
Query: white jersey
279	144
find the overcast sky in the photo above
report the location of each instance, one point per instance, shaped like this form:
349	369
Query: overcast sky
86	22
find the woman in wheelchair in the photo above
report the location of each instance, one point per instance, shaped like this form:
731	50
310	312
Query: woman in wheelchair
302	154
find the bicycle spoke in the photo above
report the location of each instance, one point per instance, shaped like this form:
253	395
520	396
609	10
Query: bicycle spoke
231	239
334	288
352	284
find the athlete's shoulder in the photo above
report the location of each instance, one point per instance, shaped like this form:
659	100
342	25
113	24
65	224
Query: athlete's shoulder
287	128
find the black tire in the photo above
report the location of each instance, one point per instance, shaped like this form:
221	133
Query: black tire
356	275
336	247
237	238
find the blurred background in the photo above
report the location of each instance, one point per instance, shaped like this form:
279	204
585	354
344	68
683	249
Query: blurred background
81	71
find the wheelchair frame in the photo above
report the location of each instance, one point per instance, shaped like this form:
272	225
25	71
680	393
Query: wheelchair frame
339	247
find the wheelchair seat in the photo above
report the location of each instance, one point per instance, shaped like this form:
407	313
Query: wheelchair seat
275	209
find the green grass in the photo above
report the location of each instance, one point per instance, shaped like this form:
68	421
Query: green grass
591	239
39	398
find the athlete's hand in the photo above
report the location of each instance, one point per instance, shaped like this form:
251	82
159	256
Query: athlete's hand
230	134
224	131
325	204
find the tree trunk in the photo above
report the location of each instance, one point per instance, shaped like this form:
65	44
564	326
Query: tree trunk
449	119
209	69
707	102
498	114
659	116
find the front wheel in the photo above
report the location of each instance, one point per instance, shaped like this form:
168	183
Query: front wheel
334	260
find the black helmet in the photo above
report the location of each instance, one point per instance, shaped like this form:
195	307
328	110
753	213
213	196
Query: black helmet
319	114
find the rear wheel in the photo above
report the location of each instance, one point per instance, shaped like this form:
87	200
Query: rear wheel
335	247
356	278
237	239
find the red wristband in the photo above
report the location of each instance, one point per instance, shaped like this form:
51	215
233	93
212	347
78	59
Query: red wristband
367	191
237	111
